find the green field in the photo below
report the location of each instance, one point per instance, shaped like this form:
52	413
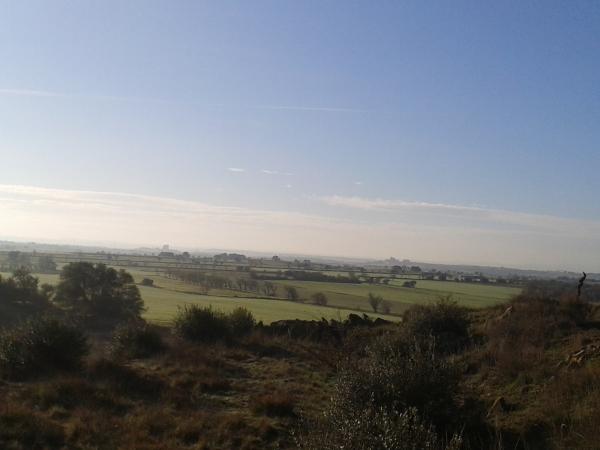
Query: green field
163	300
354	296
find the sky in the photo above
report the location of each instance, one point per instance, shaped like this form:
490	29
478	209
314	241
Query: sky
451	132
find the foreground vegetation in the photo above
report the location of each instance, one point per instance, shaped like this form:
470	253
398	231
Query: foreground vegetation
522	375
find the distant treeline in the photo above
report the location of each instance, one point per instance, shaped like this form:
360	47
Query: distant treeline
210	281
303	275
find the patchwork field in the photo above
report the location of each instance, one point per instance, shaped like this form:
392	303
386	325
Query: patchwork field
168	295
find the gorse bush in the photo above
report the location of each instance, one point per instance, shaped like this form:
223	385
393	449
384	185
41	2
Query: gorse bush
373	428
399	395
137	340
200	324
445	321
41	346
398	373
241	322
203	324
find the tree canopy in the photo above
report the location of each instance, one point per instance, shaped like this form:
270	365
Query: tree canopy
97	293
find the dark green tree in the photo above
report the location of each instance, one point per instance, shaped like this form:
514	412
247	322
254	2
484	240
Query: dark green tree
99	294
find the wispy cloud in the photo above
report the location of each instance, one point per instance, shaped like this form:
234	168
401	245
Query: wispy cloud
382	204
29	93
468	216
358	183
24	92
236	169
275	172
18	92
373	228
310	108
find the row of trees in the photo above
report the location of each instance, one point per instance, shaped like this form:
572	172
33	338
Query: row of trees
303	275
318	298
213	281
16	260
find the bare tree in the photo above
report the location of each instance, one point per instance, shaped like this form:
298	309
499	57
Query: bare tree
291	293
319	299
375	301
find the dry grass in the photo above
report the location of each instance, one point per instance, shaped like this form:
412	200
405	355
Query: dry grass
190	396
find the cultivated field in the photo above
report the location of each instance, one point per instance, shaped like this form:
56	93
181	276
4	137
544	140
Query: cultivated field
168	295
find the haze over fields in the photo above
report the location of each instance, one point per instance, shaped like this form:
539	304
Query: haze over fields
454	133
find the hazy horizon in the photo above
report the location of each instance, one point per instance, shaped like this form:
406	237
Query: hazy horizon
455	133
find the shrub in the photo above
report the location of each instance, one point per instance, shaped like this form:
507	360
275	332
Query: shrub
137	340
201	324
398	395
148	282
241	322
398	373
41	346
374	429
447	322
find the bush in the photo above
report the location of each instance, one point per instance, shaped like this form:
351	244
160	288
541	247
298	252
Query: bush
398	395
39	347
136	341
241	322
374	429
398	373
148	282
201	324
447	322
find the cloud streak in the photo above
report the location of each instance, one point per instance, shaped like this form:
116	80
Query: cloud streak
236	169
310	108
29	93
382	228
19	92
472	216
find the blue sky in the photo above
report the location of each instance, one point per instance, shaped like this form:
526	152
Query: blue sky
378	115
